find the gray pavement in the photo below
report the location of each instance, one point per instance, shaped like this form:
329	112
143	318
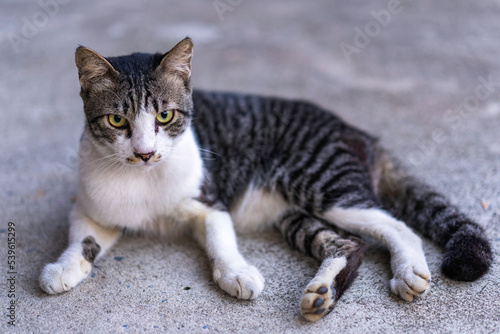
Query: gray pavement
425	79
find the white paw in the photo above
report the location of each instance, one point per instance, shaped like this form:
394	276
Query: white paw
57	278
317	301
410	281
243	281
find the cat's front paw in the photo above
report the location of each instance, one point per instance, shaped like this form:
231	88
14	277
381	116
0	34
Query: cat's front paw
57	277
242	281
410	281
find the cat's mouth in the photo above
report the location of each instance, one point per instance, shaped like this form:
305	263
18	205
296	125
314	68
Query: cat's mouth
141	160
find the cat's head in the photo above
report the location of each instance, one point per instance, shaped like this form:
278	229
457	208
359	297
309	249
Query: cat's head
136	106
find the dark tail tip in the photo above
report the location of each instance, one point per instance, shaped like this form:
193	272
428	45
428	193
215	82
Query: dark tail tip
468	255
347	275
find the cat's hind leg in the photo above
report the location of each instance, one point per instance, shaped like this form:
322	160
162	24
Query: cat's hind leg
339	253
87	241
408	264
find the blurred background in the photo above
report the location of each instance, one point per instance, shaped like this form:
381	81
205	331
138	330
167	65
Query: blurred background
424	76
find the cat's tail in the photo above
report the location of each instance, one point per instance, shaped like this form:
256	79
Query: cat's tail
468	253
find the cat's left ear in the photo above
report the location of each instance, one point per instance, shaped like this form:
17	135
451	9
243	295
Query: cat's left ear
178	60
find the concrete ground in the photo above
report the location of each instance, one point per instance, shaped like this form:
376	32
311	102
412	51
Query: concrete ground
426	80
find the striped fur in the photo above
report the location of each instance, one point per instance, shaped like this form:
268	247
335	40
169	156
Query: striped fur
316	162
323	171
317	238
307	154
330	246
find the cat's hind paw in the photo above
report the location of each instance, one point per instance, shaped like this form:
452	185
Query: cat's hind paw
317	301
411	281
57	278
243	282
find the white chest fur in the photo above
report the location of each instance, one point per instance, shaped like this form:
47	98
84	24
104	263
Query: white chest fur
138	198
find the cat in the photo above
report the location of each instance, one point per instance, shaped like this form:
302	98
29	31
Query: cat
158	156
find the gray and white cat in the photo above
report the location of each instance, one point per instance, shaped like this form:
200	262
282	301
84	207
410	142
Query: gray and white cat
163	158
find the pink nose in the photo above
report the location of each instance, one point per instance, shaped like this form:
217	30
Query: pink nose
144	156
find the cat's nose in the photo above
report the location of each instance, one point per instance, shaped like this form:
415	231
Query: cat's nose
144	156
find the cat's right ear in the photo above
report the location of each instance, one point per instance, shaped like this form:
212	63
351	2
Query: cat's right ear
94	71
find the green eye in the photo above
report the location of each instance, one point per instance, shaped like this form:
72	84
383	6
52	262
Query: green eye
165	117
117	121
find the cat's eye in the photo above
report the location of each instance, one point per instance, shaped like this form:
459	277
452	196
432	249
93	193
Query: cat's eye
165	117
117	121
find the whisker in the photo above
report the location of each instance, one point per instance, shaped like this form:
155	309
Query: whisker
208	151
107	164
102	158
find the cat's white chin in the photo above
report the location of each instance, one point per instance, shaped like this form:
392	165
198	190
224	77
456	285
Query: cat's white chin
146	166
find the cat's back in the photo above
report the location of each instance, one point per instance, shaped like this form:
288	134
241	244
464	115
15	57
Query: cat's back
269	141
251	110
233	119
